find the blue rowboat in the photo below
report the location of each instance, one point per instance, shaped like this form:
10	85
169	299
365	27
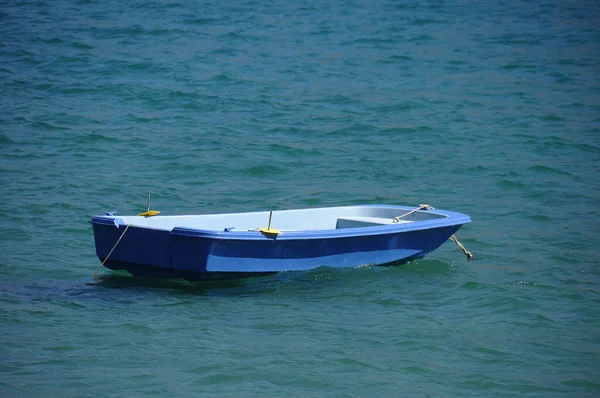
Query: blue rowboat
197	247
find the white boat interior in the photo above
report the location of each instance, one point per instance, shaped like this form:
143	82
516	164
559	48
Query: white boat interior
288	220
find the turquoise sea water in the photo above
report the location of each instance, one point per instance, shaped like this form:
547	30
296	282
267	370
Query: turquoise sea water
487	108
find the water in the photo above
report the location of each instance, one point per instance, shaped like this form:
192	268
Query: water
491	109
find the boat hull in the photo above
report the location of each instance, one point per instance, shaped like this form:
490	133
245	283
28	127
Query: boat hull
198	254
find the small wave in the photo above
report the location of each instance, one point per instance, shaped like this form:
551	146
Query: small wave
518	66
512	39
81	46
5	140
410	130
421	38
238	36
395	59
552	118
262	170
201	21
294	151
512	184
425	21
54	40
95	138
222	78
183	94
371	40
403	107
48	126
539	218
548	170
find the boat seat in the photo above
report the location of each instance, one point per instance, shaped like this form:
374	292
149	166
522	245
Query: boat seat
357	222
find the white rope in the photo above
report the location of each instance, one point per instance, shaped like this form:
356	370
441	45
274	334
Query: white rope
467	253
421	207
112	250
452	238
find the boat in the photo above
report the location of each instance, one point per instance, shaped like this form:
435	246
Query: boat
215	246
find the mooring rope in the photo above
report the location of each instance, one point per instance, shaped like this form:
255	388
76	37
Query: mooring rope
112	250
453	238
421	207
467	253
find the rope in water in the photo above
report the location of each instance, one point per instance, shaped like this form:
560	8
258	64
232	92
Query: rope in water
467	253
452	238
112	250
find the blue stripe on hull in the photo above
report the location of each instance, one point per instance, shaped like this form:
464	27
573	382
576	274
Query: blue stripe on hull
147	271
288	255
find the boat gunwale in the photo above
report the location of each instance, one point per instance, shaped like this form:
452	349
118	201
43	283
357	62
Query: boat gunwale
449	218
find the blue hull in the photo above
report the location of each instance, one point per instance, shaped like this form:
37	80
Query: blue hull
161	249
